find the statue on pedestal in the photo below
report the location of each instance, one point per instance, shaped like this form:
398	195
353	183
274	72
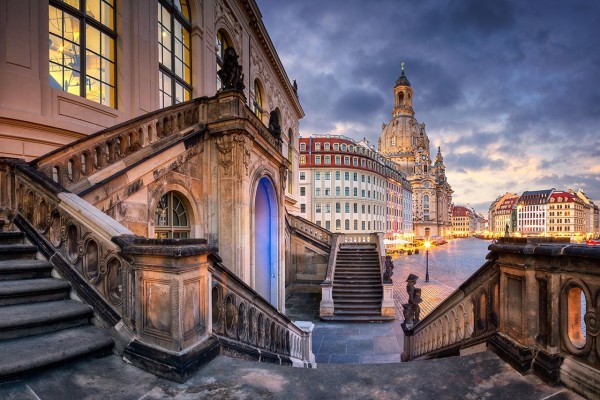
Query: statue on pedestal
389	270
274	125
412	310
231	74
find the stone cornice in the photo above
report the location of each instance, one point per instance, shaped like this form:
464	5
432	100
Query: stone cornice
256	23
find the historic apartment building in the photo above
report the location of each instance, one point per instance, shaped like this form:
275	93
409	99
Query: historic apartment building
404	141
501	216
464	221
545	213
347	187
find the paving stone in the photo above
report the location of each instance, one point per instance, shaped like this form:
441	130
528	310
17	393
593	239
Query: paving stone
359	347
344	359
333	347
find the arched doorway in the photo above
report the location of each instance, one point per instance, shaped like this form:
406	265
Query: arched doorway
266	241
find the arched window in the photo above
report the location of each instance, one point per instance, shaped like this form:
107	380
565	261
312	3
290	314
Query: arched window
171	218
257	104
174	54
223	43
82	37
347	224
56	174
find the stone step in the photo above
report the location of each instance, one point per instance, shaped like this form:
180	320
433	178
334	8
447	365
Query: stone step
357	312
359	273
357	265
33	290
353	300
374	305
24	269
12	238
357	281
17	252
27	355
357	295
30	319
357	318
356	285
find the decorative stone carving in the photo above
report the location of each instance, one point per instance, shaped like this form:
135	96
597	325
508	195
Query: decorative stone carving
274	125
225	145
244	146
412	310
283	177
231	74
389	270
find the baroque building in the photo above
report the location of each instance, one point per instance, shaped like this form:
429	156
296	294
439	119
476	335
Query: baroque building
405	142
150	151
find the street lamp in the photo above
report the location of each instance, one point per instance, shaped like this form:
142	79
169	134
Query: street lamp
427	244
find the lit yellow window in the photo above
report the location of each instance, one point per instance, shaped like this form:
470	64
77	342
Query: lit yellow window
82	48
174	52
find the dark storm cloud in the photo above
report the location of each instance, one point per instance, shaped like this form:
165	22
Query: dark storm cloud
472	161
504	79
356	104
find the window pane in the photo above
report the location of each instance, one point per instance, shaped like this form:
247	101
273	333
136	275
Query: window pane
107	15
73	3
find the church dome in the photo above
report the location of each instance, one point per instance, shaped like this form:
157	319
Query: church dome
402	81
397	136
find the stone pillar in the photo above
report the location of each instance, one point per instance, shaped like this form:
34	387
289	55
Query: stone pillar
388	307
326	307
307	354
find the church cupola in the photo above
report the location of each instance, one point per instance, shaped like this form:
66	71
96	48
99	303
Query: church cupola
403	96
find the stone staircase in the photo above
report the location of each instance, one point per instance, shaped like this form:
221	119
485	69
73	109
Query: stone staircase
39	325
357	290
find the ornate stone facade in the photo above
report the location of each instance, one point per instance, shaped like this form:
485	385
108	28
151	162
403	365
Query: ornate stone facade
404	141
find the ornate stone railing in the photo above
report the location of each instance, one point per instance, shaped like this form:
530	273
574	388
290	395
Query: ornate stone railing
536	304
310	229
94	158
359	238
462	321
76	237
247	323
161	296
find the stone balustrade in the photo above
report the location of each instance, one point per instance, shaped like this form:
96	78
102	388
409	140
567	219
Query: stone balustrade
310	229
358	238
93	158
536	304
240	319
172	304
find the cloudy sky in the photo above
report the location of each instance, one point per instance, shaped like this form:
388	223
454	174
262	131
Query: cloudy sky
509	89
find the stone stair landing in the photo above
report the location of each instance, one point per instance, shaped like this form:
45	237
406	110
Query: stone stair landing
39	325
477	376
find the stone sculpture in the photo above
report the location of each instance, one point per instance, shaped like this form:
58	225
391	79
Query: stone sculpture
389	270
231	74
412	310
274	126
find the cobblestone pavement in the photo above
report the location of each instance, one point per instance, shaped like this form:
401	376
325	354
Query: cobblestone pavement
376	343
449	266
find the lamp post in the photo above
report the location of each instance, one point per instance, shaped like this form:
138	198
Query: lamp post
427	244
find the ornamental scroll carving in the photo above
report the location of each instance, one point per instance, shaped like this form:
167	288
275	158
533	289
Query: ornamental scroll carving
283	173
225	159
233	147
